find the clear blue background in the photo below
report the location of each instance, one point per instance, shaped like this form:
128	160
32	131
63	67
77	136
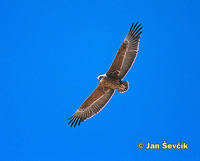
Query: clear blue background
51	53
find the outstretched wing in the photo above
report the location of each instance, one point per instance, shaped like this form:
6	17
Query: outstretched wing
92	105
126	53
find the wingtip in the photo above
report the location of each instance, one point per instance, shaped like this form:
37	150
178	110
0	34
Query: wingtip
131	26
135	29
70	121
74	121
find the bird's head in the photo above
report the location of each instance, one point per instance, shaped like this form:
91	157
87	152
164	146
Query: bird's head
100	77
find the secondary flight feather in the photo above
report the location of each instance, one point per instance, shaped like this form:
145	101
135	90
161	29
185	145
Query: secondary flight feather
112	80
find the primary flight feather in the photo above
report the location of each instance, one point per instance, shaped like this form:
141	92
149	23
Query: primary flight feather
112	79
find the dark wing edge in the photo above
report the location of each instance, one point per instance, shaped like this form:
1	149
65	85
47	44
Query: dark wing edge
132	40
83	114
126	54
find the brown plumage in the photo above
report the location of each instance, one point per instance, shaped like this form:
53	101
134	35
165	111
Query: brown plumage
112	79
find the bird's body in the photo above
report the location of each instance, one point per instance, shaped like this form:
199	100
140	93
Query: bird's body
112	80
114	83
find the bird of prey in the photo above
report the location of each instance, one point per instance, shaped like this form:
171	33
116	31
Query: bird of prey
112	80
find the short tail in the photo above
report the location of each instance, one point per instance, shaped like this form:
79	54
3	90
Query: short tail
124	87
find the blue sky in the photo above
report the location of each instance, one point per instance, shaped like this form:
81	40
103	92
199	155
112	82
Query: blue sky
51	53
